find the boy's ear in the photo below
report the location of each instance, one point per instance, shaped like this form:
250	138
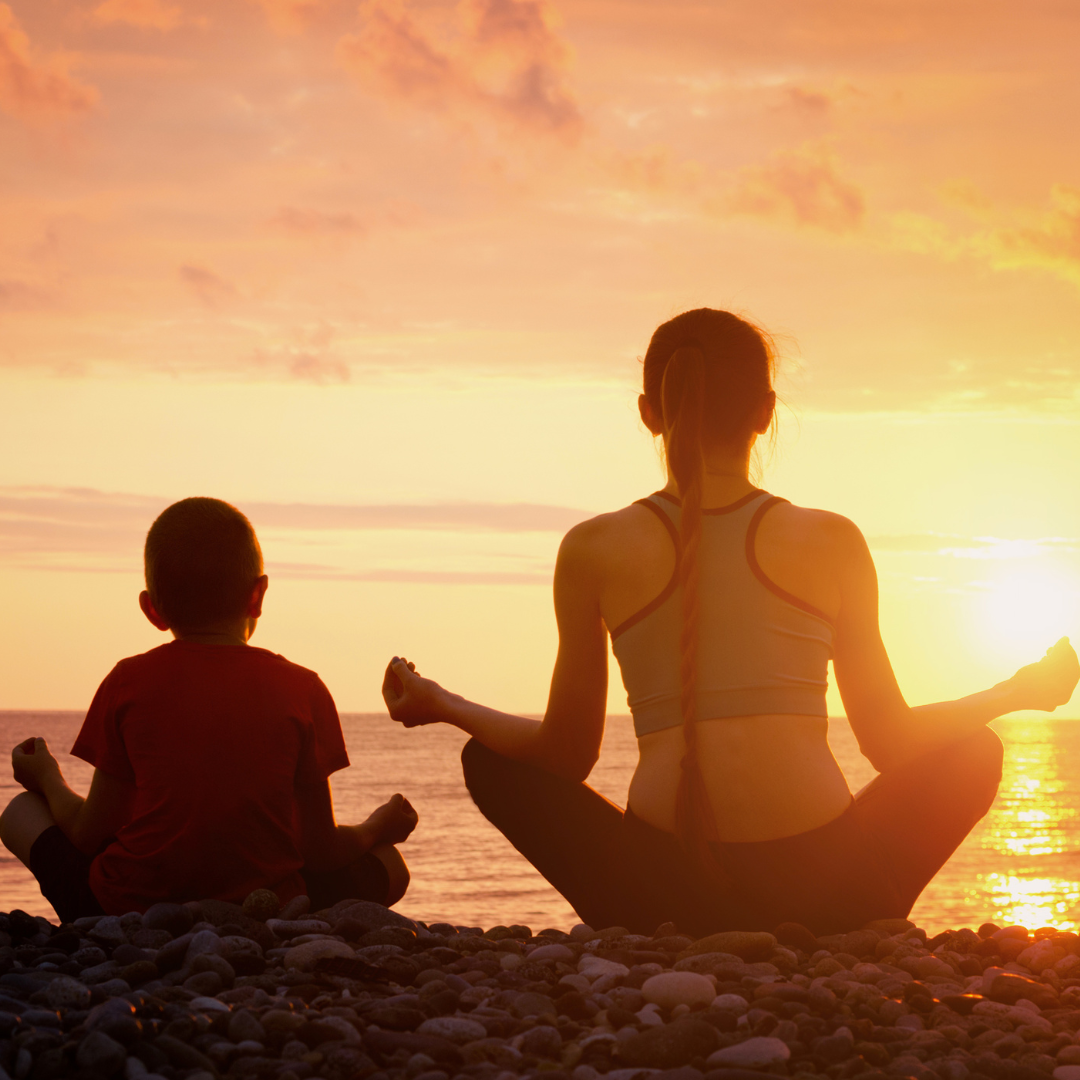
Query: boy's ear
148	609
255	607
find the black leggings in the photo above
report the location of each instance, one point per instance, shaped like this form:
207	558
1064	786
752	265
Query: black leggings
872	862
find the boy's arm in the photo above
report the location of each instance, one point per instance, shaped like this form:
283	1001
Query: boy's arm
86	822
325	845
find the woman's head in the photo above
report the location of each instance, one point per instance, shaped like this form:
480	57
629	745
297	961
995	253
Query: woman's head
719	365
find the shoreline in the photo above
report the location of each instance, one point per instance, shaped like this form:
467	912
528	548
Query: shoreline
209	989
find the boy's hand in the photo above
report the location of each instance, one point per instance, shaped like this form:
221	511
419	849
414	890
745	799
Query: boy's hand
411	699
31	762
391	823
1050	682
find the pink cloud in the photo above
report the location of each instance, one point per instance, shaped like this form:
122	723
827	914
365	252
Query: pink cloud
505	63
803	186
1052	243
317	222
16	295
149	14
32	86
290	16
210	288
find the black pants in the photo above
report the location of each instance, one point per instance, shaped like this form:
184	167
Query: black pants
63	872
870	863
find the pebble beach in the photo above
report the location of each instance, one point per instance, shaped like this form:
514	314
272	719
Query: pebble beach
212	989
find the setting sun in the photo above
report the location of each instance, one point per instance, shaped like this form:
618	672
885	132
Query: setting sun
1026	609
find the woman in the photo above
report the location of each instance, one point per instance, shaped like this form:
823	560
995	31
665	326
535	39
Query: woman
724	605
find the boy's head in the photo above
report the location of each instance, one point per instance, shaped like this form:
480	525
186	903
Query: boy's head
203	567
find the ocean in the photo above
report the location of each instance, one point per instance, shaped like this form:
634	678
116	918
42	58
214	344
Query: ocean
1021	864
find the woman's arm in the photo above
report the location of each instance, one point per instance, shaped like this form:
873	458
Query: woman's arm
86	822
889	731
567	740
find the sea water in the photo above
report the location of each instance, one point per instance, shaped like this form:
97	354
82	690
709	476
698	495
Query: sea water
1020	864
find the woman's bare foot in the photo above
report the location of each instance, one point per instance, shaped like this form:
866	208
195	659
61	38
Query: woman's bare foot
392	822
1050	682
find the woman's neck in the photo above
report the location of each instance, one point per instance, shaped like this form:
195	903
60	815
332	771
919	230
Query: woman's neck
726	479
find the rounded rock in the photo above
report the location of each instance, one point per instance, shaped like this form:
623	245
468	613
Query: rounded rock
671	988
732	1003
303	957
175	919
108	932
552	952
542	1041
64	992
262	904
456	1029
756	1053
1067	1072
100	1053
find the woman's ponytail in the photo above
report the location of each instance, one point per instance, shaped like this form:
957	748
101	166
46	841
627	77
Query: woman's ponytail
683	396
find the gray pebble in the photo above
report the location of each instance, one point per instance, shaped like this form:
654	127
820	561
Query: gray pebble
108	932
100	1053
65	992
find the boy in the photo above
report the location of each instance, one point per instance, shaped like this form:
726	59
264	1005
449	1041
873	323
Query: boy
211	757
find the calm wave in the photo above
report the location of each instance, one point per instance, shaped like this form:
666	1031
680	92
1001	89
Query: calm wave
1021	864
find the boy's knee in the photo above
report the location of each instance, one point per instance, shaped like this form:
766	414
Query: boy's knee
397	872
23	820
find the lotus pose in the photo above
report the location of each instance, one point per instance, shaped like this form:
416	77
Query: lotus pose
724	604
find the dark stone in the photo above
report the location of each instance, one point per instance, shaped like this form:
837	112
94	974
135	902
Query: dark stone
687	1072
857	943
171	956
50	1064
533	1004
794	935
832	1049
396	1018
370	915
175	918
315	1033
1006	988
387	935
443	1002
670	1046
576	1006
65	941
100	1053
150	1055
383	1044
142	971
962	1003
1003	1069
128	954
183	1056
542	1041
354	929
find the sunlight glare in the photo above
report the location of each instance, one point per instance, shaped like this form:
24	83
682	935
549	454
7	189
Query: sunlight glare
1027	610
1032	902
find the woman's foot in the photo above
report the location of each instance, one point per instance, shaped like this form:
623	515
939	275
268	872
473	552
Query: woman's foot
1050	682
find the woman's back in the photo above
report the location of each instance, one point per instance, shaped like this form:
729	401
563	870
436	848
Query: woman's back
767	765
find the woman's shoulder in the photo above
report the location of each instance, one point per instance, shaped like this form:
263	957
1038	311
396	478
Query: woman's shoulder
806	526
617	531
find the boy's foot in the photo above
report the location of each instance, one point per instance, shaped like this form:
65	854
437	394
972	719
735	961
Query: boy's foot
392	822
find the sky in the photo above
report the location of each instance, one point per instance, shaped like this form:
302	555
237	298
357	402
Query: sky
382	274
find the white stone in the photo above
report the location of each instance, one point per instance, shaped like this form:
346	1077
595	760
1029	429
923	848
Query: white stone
756	1053
303	957
455	1028
592	967
1067	1072
1041	955
732	1003
673	988
650	1014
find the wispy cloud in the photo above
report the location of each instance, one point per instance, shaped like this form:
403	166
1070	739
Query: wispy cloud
33	86
147	14
16	295
210	288
85	529
318	222
504	61
970	547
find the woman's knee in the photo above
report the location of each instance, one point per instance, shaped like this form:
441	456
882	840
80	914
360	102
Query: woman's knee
479	765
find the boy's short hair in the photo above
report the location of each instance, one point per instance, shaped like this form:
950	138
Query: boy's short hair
202	560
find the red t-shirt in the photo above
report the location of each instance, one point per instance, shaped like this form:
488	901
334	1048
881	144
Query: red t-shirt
216	739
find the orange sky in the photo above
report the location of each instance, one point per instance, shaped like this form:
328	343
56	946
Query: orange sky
376	271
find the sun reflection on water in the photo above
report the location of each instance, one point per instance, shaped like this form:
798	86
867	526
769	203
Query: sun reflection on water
1021	863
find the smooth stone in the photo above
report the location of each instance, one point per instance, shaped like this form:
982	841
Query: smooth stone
673	988
746	944
732	1003
552	952
204	942
371	915
532	1004
295	908
455	1028
65	992
173	918
595	967
209	1004
100	1053
100	972
669	1046
205	982
1067	1072
262	904
304	957
108	932
290	928
246	1025
758	1052
542	1041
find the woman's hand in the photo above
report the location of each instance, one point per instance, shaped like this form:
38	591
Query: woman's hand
32	763
411	699
1050	682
